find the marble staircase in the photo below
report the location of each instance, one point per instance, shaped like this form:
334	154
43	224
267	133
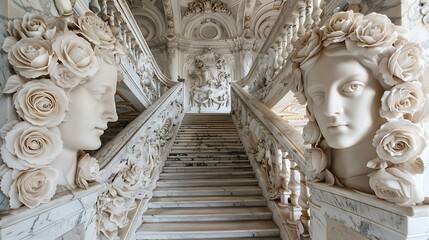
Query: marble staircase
207	189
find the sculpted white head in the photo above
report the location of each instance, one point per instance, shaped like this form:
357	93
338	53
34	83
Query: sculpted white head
344	96
63	103
362	80
92	106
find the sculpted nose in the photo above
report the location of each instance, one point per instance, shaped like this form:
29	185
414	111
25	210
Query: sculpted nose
110	110
333	105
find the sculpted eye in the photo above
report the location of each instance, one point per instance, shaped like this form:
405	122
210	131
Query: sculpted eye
317	97
352	87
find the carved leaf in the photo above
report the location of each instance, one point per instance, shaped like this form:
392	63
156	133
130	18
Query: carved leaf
377	163
8	43
13	84
414	167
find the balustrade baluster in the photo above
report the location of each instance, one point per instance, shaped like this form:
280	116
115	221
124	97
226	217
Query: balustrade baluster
110	12
308	19
103	12
119	21
94	6
294	186
317	11
279	52
305	209
289	31
284	178
284	44
301	20
295	22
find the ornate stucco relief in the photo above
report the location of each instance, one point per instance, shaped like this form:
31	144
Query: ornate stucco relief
210	81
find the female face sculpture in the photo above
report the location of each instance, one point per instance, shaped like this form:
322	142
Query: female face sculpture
344	98
362	80
92	106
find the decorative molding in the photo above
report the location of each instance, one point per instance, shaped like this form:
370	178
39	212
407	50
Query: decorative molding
207	6
210	81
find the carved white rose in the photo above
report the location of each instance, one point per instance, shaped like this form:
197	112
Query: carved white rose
406	64
307	46
399	140
29	146
41	103
76	54
396	185
62	76
315	162
95	30
30	187
311	132
340	26
374	34
30	57
402	100
30	26
88	170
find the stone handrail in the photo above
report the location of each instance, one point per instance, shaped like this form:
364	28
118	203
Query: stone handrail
276	151
140	65
266	78
112	206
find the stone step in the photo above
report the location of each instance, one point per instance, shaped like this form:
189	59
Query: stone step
206	214
200	156
208	182
219	163
206	191
207	201
212	139
206	175
206	142
192	149
185	152
189	169
209	145
204	230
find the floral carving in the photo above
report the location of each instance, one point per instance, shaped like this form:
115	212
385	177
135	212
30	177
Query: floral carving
87	170
30	187
402	101
396	185
50	57
41	103
28	146
401	64
405	64
399	140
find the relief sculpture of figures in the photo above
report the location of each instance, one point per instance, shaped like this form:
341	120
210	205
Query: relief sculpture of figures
210	81
363	82
63	96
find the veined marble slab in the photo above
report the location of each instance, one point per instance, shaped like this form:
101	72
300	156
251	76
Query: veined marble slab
65	212
365	214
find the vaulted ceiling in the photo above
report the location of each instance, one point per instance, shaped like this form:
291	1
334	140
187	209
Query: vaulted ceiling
205	22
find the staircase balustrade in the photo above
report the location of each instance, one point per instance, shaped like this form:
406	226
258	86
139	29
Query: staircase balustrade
276	151
140	69
111	207
131	164
266	78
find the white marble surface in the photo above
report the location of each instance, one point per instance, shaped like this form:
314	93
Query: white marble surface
65	212
365	214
